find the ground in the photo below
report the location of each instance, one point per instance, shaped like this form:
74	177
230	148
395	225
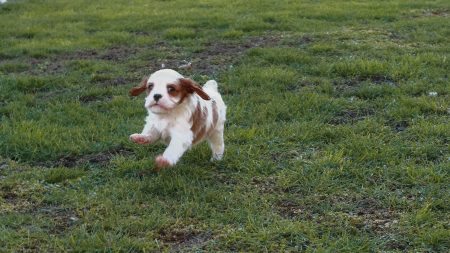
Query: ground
337	137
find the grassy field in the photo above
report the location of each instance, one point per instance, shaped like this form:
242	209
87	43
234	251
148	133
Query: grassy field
337	137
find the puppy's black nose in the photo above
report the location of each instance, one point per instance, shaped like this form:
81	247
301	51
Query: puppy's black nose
156	97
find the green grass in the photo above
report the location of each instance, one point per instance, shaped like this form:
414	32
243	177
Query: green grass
337	137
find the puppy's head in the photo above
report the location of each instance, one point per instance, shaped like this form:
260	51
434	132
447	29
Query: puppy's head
167	89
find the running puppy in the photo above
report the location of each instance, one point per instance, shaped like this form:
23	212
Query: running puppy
181	113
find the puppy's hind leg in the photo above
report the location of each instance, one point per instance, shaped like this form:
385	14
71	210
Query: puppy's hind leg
217	145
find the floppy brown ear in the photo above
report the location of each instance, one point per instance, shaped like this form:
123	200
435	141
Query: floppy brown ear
135	91
192	86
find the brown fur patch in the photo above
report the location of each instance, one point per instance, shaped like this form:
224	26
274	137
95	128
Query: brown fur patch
174	90
190	86
199	127
135	91
186	87
178	91
215	114
215	117
199	123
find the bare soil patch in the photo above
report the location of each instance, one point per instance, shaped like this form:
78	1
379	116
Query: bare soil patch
367	213
215	56
398	126
13	199
57	64
351	116
436	13
374	216
100	158
266	185
291	209
115	53
61	218
183	239
94	98
114	81
219	55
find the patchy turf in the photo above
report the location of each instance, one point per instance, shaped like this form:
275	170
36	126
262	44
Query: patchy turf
337	136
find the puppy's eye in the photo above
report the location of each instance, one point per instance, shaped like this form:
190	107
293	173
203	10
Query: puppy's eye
150	86
171	89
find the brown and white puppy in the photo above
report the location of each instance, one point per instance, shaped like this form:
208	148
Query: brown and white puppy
181	113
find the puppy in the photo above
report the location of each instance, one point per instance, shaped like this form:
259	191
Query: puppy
181	114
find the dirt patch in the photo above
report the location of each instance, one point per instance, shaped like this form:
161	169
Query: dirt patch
291	209
94	98
363	213
119	53
80	55
266	185
10	197
219	56
48	66
402	246
366	214
140	33
345	86
3	169
351	116
20	197
115	53
213	58
374	216
101	158
61	218
108	79
379	79
288	155
115	81
182	239
436	13
396	36
398	126
58	64
368	205
294	87
225	180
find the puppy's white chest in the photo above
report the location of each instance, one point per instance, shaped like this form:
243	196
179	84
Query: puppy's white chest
165	136
164	127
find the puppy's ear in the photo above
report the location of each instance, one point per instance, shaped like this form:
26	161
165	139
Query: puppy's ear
135	91
192	86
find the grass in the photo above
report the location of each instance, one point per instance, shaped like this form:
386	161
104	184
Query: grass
337	137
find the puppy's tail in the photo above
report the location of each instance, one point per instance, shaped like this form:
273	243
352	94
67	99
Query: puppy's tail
211	84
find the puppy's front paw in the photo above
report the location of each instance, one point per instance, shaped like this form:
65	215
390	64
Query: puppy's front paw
139	139
161	163
216	157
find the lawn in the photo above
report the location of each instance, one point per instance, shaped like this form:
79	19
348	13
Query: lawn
337	138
